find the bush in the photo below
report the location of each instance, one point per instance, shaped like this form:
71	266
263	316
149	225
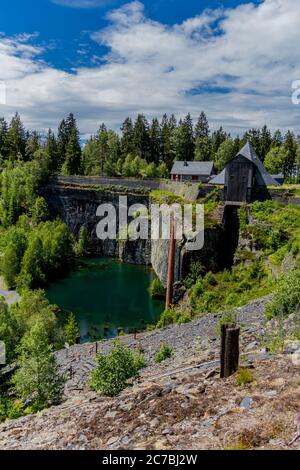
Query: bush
113	370
157	289
287	296
38	377
71	330
165	352
244	377
11	409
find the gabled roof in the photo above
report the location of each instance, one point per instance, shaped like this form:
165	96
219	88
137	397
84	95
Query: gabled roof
219	179
263	178
192	168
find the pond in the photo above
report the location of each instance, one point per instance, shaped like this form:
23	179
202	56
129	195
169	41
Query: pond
105	295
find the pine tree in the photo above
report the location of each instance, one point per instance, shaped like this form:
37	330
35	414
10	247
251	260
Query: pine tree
202	126
265	142
141	137
103	149
155	142
72	163
71	330
290	147
38	376
202	149
189	144
16	139
277	139
52	151
167	128
127	140
218	137
62	142
3	139
32	144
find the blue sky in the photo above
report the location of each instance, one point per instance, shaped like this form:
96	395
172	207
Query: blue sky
66	28
105	59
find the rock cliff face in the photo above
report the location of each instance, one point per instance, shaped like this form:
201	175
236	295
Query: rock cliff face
77	207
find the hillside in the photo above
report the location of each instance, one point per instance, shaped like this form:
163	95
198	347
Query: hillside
181	403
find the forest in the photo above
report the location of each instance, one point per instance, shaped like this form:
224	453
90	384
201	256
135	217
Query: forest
143	149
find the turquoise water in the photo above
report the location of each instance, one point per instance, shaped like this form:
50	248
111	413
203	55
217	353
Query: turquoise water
105	295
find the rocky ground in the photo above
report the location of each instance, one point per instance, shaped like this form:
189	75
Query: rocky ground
10	296
179	404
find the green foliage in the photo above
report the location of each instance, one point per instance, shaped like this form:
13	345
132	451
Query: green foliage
228	289
164	352
157	289
81	247
196	270
244	377
113	370
38	376
39	211
71	330
11	409
287	296
172	316
243	217
19	184
225	153
16	320
35	254
10	265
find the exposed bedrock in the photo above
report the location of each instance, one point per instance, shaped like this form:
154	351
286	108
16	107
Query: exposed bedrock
77	207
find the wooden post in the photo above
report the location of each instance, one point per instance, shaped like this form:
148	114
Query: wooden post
171	267
96	347
134	334
229	349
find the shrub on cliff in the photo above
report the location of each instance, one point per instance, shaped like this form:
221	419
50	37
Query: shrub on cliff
157	290
113	370
164	352
287	296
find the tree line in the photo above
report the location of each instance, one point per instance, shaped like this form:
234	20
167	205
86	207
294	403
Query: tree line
144	149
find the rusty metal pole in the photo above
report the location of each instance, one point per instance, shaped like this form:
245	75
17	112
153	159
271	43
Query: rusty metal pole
171	266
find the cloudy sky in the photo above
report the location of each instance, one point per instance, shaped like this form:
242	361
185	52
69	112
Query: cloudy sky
106	59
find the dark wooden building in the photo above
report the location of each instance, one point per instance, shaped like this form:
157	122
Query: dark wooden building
241	174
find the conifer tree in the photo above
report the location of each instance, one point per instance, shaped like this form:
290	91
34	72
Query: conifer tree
72	163
155	142
202	126
16	139
141	138
71	330
3	139
167	128
127	140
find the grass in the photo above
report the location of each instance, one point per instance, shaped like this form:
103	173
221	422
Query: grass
244	377
229	289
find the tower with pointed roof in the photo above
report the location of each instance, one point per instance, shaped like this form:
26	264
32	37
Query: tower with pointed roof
241	174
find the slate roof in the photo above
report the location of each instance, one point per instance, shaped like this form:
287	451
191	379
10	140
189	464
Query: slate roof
192	168
263	178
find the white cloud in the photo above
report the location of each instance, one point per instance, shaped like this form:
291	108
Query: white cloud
236	64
